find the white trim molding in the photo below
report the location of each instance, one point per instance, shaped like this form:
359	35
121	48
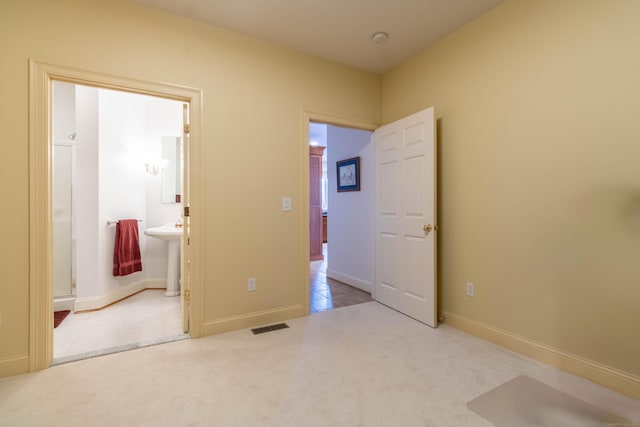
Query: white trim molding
101	301
615	379
350	280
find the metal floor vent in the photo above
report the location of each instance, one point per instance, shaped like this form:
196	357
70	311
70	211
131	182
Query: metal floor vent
263	329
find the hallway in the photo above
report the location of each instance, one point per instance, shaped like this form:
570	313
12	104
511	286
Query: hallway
327	293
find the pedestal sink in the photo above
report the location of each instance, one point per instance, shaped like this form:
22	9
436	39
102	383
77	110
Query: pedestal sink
172	235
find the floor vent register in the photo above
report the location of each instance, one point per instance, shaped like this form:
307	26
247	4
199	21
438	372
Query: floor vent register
263	329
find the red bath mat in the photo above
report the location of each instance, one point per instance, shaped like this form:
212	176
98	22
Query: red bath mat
59	316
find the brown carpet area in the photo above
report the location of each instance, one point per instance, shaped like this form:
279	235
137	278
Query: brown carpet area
59	316
526	402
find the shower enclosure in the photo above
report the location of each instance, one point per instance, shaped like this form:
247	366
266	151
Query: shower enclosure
63	235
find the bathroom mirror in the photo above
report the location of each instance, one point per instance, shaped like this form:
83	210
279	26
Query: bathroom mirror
172	173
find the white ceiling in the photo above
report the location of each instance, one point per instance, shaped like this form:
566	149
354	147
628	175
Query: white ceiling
339	30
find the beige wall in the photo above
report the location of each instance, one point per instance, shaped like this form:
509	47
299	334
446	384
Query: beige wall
539	130
539	146
254	94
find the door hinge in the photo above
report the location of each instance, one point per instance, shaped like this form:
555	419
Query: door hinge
187	296
186	211
186	129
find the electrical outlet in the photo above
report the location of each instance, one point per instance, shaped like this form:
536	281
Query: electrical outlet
471	289
251	284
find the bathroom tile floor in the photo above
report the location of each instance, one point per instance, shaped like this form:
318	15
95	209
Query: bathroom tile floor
327	293
143	319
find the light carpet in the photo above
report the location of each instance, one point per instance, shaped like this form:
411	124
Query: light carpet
363	365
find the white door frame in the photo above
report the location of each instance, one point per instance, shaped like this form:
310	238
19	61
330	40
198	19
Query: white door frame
308	117
41	77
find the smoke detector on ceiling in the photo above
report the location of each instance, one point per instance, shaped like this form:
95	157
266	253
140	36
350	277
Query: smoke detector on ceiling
380	37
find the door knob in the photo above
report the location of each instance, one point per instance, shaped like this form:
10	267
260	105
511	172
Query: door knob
427	228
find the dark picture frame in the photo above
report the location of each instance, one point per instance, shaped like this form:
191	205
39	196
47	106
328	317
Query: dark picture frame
348	174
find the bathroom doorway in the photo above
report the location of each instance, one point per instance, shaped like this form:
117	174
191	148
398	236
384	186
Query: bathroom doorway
117	155
41	141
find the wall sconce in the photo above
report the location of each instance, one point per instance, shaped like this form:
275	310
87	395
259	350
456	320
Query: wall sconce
154	168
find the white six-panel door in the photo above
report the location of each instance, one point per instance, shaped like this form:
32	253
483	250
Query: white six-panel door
405	210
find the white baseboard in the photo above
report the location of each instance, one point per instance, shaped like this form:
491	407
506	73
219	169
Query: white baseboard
65	303
251	320
101	301
350	280
615	379
156	284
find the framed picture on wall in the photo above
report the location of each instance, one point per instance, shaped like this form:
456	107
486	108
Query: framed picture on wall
348	171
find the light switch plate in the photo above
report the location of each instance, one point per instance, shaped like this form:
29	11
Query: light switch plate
471	289
286	204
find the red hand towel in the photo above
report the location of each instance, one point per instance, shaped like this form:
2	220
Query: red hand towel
126	251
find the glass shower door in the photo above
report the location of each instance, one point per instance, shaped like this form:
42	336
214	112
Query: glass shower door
62	220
